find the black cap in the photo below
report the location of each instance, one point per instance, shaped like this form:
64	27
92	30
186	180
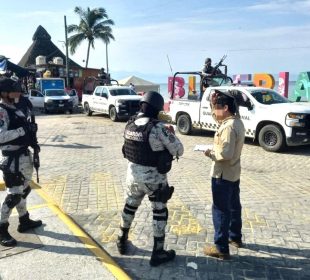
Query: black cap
154	99
9	85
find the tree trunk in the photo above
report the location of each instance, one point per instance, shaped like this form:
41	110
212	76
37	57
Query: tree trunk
106	55
87	54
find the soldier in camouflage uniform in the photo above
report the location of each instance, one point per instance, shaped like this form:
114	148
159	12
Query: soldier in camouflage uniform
149	146
16	162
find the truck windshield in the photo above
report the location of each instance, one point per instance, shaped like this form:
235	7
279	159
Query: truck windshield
122	91
268	96
55	92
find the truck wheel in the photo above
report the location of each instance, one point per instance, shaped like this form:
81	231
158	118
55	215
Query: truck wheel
113	114
271	138
87	110
184	124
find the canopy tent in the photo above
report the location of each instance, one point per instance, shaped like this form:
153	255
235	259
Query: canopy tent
6	65
140	84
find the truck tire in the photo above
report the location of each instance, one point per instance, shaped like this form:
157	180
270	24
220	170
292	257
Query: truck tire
113	114
271	138
184	124
87	110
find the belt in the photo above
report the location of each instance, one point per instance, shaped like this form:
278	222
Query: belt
19	152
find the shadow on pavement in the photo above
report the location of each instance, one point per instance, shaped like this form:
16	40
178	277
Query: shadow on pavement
72	146
271	263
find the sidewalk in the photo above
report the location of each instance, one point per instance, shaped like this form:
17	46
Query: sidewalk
53	251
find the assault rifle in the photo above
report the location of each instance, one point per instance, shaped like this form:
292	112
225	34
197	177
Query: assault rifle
215	68
36	147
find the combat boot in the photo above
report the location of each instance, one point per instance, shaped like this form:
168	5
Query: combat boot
121	242
5	238
25	223
159	255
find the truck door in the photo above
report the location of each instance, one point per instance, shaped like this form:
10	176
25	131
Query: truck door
96	99
206	119
36	98
104	104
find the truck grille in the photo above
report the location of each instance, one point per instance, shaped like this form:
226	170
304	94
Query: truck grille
129	107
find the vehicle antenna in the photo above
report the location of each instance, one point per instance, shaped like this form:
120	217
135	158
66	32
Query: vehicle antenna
170	65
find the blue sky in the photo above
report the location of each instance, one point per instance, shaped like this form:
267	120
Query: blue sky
257	36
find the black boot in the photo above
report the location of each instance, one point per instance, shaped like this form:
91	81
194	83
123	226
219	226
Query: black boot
121	242
159	255
5	238
25	223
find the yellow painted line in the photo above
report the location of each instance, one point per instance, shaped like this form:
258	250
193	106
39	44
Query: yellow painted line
89	243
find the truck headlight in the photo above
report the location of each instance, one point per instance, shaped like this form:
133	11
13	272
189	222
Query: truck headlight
295	120
120	102
49	101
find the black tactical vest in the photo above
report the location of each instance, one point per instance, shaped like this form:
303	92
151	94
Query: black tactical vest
136	147
15	122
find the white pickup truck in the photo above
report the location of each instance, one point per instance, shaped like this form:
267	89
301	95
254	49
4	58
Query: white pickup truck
51	100
270	117
116	101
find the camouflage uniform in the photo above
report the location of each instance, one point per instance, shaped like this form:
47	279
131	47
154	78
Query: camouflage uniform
145	180
25	164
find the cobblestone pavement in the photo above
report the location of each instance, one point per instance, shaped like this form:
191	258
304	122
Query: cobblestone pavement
82	168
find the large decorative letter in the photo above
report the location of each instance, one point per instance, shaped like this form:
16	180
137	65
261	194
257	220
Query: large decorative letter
302	86
263	80
283	83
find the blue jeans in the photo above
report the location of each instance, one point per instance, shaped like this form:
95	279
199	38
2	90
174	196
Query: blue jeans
226	212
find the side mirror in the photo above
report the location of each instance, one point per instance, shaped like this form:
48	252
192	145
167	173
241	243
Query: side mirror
249	105
104	95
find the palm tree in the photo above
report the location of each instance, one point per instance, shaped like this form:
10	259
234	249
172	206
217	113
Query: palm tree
94	24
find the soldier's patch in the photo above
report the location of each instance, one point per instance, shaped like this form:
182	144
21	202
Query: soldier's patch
171	138
1	123
165	131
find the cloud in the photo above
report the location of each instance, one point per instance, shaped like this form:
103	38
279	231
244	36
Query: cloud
282	6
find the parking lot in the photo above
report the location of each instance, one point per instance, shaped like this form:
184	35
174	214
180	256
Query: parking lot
83	170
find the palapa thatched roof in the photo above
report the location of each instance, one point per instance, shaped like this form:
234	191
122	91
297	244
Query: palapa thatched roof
42	45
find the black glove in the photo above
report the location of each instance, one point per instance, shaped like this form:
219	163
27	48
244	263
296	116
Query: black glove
30	127
36	148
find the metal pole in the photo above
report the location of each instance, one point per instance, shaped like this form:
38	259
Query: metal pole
67	53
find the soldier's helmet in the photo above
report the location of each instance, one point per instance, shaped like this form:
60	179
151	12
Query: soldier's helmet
208	60
9	85
154	99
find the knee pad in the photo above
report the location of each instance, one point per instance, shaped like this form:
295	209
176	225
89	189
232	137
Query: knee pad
12	200
161	214
26	192
13	179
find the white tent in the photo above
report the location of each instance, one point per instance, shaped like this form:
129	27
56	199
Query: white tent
140	84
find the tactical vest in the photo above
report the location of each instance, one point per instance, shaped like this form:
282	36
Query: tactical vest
136	147
15	122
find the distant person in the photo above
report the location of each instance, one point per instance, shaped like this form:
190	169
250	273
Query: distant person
208	69
225	174
132	86
102	75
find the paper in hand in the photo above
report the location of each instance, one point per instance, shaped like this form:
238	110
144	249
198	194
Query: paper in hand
203	148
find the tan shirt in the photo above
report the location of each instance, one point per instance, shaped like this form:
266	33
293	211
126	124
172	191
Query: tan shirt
228	143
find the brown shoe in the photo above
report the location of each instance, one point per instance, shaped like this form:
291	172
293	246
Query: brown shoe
212	251
237	244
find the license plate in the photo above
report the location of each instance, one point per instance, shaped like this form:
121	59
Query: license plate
61	105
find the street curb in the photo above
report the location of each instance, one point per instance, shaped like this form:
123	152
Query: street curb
84	237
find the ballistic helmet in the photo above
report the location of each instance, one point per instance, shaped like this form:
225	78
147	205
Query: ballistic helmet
154	99
208	60
9	85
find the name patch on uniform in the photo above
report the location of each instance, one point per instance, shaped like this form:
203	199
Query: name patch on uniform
134	135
